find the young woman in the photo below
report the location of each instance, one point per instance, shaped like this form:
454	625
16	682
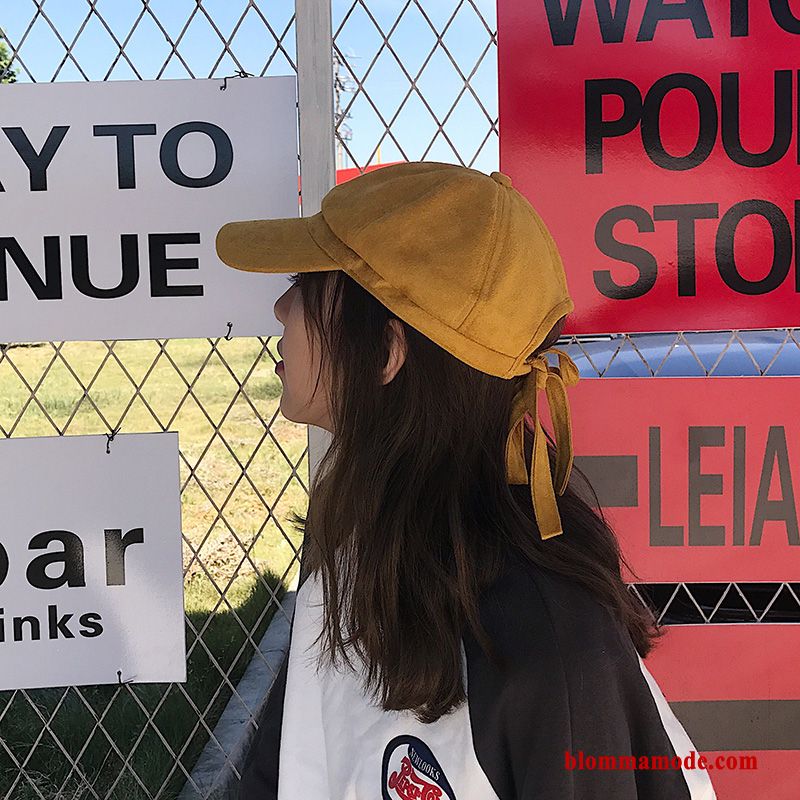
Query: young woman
459	633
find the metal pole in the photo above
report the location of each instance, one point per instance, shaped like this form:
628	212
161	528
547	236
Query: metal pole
314	32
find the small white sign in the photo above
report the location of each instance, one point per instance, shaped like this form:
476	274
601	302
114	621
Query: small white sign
111	196
91	575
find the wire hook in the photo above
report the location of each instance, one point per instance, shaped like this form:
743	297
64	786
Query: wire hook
228	336
110	437
119	678
240	73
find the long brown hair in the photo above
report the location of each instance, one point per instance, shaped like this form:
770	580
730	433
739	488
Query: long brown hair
410	513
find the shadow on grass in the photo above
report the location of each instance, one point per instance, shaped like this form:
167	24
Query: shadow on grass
140	719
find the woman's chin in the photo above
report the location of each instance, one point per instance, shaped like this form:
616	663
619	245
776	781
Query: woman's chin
283	406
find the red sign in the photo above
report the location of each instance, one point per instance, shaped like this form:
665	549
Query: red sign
658	142
735	690
699	477
347	174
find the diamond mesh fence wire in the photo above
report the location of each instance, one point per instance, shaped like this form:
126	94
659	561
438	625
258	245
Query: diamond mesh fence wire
415	80
243	467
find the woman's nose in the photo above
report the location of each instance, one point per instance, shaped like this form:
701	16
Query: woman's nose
277	309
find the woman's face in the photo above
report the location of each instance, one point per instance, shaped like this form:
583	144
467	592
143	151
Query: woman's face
300	366
301	360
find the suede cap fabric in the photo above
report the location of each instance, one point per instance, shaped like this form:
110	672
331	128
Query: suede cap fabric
459	255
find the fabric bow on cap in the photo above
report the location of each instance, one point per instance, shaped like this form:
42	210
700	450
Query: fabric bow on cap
554	381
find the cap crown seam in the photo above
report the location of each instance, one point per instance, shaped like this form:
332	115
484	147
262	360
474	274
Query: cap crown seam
492	257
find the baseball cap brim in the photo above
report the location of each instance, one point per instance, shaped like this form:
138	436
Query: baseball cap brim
272	245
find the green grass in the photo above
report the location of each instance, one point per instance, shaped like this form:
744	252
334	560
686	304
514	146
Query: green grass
217	501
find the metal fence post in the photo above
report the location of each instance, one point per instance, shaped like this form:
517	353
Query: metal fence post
317	157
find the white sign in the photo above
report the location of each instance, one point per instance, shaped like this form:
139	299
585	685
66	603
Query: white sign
91	576
111	195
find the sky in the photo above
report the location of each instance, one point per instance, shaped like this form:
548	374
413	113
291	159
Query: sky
358	38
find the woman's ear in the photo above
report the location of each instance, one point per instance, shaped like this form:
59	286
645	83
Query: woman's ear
397	347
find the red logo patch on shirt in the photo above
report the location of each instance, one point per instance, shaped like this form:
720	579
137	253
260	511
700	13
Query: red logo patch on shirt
411	772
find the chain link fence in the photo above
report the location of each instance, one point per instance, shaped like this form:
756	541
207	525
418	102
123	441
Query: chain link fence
243	467
415	80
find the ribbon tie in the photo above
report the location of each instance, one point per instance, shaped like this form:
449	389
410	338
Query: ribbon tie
554	381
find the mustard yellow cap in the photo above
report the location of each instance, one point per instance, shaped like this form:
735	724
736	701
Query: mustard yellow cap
459	255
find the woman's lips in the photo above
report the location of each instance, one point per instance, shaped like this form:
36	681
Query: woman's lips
279	367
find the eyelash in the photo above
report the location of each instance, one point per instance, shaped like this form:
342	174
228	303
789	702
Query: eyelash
294	279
